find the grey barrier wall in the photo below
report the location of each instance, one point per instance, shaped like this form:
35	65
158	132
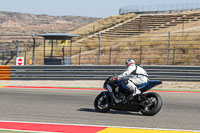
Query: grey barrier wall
101	72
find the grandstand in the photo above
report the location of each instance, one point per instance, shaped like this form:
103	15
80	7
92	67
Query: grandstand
146	23
136	34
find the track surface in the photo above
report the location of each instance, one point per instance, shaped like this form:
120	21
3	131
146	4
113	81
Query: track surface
180	110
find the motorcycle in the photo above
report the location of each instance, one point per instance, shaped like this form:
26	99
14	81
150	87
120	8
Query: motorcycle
118	97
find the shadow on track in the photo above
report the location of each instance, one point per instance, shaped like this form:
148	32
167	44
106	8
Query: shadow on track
110	112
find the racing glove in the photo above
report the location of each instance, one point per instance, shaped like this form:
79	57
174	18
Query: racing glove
114	78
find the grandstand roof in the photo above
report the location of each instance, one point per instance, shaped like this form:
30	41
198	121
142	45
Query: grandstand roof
57	36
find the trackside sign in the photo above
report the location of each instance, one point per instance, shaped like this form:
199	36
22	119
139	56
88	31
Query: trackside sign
20	61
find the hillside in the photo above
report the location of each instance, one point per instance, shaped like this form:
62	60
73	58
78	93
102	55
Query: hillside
146	38
14	22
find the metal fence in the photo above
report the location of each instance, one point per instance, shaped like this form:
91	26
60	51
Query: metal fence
97	72
159	8
159	48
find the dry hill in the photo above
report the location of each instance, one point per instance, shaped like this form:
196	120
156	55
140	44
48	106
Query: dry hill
14	22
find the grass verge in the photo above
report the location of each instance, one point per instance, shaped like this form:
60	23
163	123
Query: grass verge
9	131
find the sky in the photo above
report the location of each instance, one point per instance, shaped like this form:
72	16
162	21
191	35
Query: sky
90	8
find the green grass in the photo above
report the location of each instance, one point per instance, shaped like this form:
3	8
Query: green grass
9	131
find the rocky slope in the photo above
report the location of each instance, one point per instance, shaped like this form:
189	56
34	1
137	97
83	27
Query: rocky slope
14	22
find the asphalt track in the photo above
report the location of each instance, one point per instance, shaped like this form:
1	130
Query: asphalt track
180	110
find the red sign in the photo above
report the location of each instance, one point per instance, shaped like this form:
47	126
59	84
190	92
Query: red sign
20	61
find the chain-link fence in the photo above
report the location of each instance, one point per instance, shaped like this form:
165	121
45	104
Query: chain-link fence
159	8
180	48
155	48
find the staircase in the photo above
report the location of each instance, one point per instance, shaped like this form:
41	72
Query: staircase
143	24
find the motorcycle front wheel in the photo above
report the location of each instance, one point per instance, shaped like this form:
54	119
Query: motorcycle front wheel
151	105
102	103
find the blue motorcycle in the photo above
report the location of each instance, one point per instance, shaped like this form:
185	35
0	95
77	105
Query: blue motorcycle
118	97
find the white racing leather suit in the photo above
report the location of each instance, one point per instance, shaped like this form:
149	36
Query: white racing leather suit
137	76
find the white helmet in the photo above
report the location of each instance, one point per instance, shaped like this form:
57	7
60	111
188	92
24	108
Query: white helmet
129	62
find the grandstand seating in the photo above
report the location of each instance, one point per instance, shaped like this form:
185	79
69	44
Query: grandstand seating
130	29
145	23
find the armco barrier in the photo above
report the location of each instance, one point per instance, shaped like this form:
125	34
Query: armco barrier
96	72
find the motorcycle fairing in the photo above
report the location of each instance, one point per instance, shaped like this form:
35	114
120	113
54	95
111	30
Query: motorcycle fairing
150	84
109	88
109	91
123	85
143	87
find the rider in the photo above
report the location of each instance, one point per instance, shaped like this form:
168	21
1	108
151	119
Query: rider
137	76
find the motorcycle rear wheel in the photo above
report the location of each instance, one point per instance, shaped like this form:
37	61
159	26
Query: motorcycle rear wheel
152	104
102	103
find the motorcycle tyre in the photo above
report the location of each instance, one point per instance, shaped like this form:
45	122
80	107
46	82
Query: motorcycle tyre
155	109
96	104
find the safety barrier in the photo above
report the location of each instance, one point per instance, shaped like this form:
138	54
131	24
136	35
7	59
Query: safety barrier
97	72
4	72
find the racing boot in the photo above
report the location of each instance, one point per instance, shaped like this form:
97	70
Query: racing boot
135	93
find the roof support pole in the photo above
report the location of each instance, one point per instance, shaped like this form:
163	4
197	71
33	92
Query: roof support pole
33	57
